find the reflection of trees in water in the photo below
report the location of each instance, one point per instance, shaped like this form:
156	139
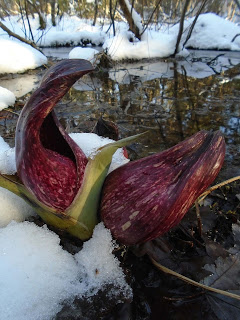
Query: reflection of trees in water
170	109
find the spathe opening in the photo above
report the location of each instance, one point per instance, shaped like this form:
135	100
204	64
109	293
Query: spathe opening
52	139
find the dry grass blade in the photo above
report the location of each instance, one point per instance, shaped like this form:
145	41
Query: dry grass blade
192	282
221	184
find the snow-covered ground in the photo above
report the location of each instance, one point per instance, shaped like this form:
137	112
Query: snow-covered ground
37	275
210	32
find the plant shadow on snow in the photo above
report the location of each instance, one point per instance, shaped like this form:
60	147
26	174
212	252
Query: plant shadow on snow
171	107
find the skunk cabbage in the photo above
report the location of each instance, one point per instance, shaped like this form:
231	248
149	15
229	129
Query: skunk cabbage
139	201
55	176
145	198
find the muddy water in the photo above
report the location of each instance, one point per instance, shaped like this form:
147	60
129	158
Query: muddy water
170	99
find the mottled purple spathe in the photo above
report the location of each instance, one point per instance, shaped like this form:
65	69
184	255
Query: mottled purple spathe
49	162
145	198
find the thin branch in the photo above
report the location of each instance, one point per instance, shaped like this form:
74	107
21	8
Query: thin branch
234	38
180	32
194	22
14	35
150	18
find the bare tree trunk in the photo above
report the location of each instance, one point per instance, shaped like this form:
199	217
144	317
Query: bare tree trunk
95	12
42	21
128	15
237	3
12	34
112	14
53	12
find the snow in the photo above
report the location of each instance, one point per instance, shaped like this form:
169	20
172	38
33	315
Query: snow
90	142
7	158
96	254
83	53
19	57
213	32
37	275
7	98
152	46
210	32
13	207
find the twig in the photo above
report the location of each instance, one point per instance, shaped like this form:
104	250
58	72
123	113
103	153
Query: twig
192	282
194	22
234	38
150	18
221	184
198	217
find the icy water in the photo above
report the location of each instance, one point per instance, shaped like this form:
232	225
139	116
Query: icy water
171	100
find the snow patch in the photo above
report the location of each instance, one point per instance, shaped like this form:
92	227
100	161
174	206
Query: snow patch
7	98
13	207
90	142
18	57
83	53
37	275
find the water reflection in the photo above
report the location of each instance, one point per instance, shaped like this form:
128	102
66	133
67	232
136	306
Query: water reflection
20	84
172	100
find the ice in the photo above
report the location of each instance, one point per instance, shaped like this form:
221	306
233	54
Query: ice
18	57
20	85
37	275
7	98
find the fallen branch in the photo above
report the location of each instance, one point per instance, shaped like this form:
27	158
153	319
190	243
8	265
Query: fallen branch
14	35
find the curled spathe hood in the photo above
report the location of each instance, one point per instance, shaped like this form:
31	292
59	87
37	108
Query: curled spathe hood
49	162
145	198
